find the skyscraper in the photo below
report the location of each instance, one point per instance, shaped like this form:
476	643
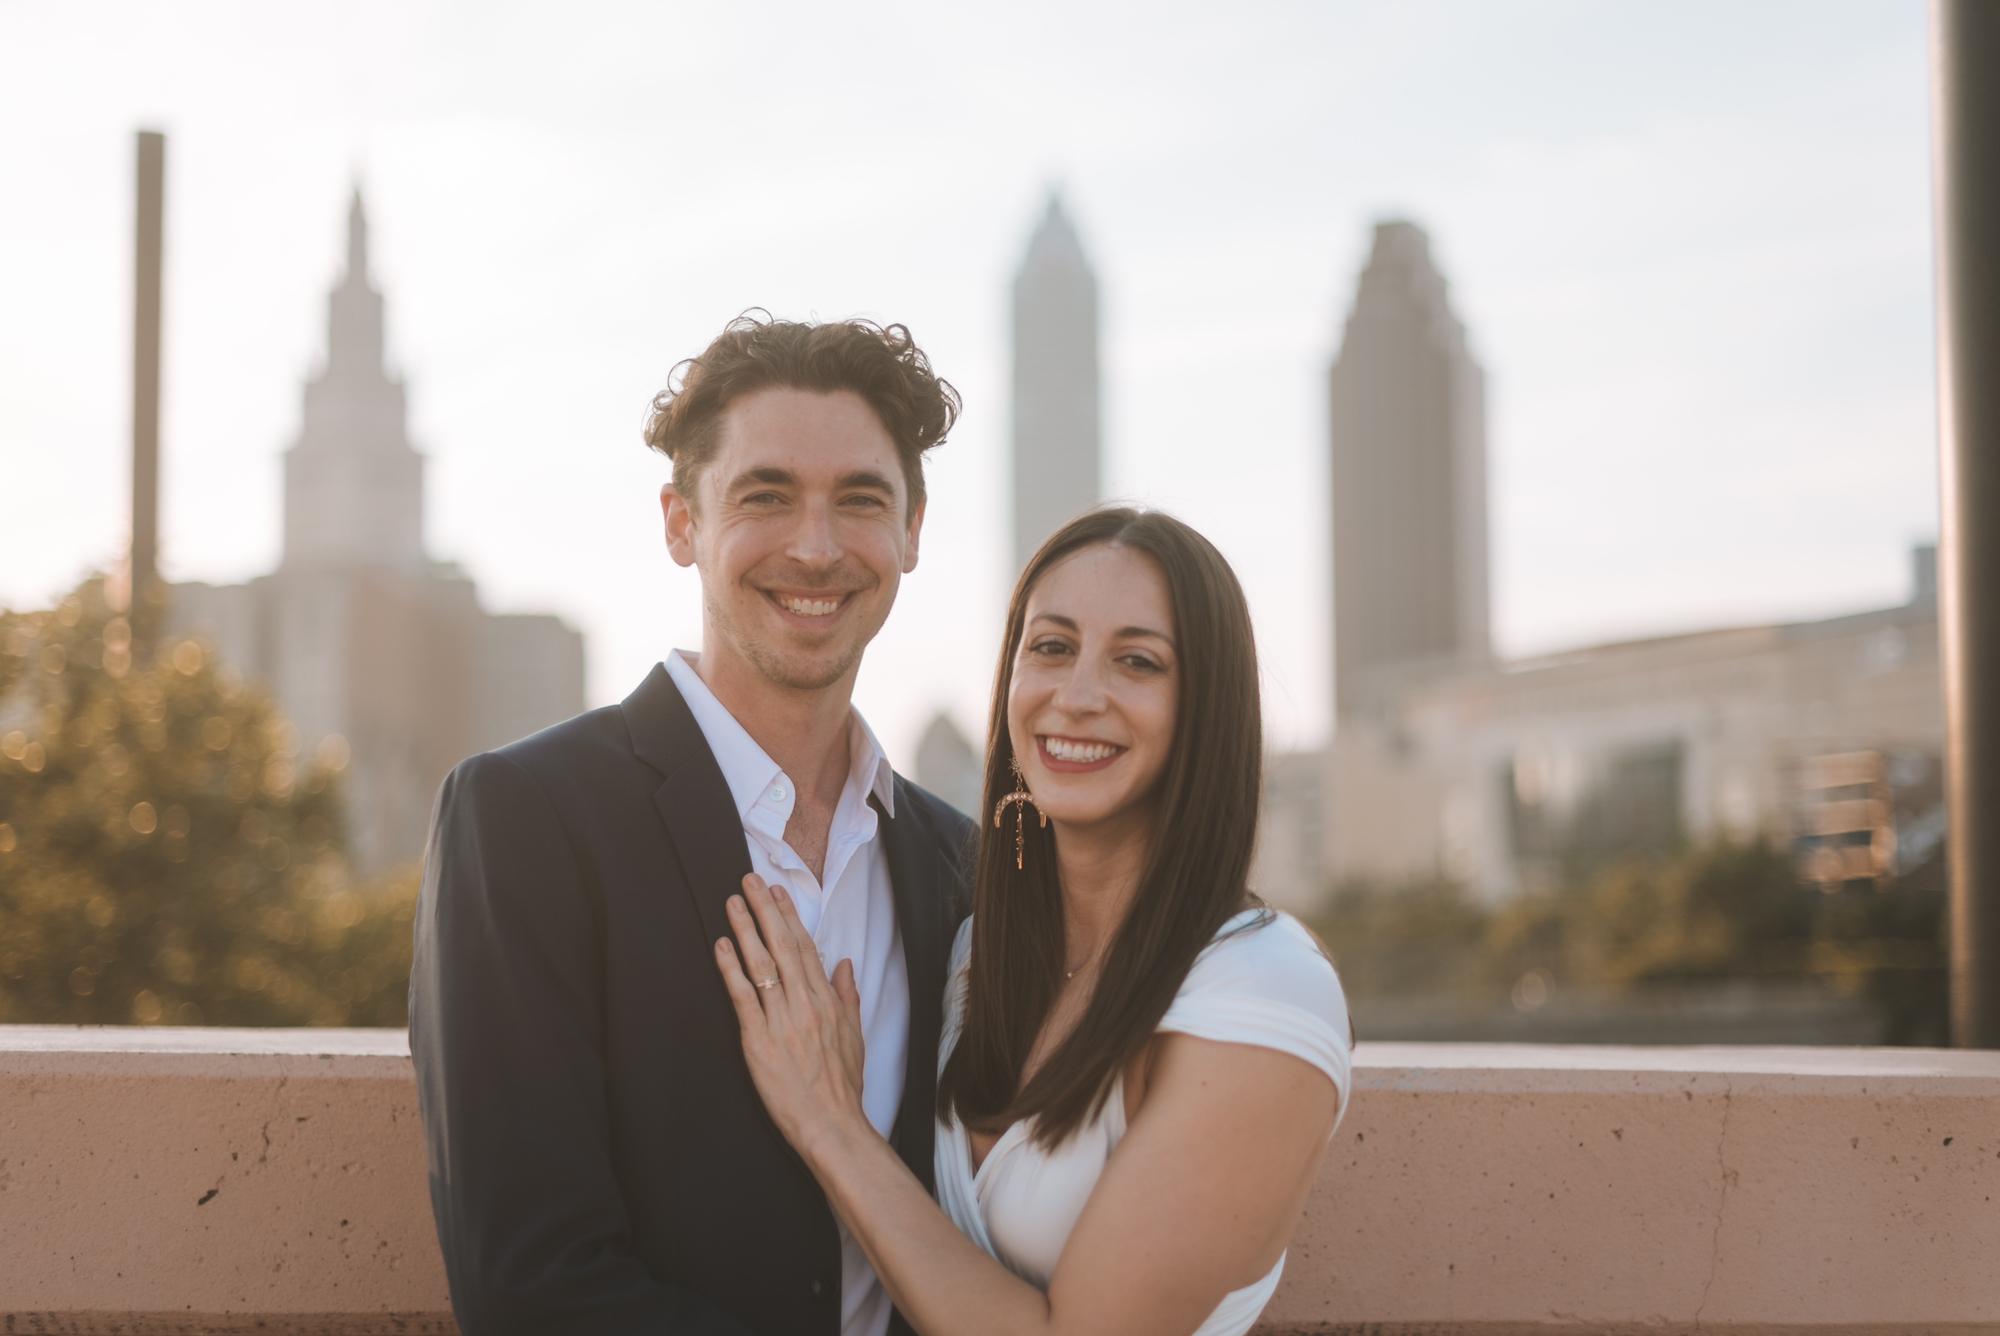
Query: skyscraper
376	652
1058	469
354	487
1409	478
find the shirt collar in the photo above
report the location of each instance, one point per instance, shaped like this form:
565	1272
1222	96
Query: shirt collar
748	769
871	773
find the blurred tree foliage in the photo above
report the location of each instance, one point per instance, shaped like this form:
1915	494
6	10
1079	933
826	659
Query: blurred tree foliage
1727	911
165	855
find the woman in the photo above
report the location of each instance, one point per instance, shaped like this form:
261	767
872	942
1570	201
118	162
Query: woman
1141	1066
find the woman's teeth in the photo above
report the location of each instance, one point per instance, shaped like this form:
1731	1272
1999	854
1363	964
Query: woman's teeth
807	607
1063	749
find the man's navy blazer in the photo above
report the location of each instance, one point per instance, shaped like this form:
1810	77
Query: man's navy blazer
599	1161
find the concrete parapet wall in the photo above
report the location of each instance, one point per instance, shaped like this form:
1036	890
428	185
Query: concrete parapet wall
199	1181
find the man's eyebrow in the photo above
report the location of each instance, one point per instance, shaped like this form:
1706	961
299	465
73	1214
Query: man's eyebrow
867	478
1124	632
769	475
762	476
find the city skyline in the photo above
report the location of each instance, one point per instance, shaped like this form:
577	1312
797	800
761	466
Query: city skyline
1701	296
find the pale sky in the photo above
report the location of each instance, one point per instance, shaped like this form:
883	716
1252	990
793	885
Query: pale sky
1691	242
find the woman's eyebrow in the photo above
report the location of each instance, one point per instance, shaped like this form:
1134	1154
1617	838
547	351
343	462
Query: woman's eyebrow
1124	632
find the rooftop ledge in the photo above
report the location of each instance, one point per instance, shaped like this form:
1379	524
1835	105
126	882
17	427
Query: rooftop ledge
196	1181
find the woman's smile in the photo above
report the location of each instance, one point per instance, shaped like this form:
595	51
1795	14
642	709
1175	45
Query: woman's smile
1065	755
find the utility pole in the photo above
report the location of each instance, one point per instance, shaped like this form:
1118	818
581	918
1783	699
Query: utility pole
1965	53
148	230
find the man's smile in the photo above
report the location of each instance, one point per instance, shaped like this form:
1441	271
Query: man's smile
811	608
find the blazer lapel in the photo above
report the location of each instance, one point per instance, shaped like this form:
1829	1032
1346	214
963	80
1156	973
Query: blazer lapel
707	835
920	877
693	798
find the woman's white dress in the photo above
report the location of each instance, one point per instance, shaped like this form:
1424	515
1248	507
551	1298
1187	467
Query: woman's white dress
1267	985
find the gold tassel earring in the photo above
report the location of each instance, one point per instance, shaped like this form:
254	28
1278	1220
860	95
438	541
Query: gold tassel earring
1019	799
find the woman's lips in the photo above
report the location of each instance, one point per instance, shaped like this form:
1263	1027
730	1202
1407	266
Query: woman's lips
1073	756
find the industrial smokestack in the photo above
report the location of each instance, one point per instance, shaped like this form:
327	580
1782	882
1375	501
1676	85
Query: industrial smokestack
148	229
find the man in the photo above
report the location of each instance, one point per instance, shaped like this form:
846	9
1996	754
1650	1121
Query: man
599	1161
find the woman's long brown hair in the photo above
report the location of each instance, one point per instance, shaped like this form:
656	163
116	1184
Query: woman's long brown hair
1195	874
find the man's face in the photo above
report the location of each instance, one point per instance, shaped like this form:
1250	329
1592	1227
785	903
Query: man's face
802	529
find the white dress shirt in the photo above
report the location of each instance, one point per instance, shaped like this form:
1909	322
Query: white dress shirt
849	910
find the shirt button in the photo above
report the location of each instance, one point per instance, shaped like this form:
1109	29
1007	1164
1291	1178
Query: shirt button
819	1288
777	793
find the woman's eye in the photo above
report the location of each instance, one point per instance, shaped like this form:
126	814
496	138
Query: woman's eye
1142	663
1048	647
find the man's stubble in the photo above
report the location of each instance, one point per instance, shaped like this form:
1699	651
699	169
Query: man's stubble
777	667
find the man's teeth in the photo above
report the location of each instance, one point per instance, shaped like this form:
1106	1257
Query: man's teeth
1065	750
807	607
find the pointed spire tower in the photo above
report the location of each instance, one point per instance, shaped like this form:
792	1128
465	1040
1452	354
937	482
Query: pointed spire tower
1409	478
1058	468
354	487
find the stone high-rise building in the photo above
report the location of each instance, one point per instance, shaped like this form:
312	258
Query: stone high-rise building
1058	419
376	652
354	487
1409	479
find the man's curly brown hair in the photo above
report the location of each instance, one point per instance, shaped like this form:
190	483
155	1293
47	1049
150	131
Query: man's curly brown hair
880	363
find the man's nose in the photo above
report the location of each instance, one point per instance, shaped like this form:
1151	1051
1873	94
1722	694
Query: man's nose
814	540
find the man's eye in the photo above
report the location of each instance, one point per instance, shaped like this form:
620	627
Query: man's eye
864	501
761	499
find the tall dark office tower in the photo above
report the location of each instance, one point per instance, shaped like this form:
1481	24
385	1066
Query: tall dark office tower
1409	478
1057	419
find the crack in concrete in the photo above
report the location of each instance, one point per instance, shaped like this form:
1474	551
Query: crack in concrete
278	1102
1724	1177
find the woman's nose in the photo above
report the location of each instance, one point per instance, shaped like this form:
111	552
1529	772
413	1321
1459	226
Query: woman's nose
1082	688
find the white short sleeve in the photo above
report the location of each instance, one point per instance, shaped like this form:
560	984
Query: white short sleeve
1271	986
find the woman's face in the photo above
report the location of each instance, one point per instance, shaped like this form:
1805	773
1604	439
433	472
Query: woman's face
1090	711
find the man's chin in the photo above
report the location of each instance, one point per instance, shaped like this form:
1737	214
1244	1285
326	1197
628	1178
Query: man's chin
806	671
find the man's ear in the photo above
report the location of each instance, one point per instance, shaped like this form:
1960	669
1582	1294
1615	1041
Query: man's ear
916	531
679	516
